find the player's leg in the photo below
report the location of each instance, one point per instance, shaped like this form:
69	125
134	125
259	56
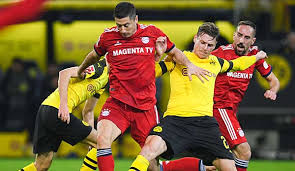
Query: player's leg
43	161
45	141
90	160
235	137
224	165
112	123
185	164
209	144
91	139
153	147
107	133
242	156
163	140
143	122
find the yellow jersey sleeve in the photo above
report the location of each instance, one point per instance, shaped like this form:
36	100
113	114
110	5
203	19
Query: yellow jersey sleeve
162	67
238	64
95	71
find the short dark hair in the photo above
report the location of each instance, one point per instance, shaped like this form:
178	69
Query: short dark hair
125	9
248	23
208	28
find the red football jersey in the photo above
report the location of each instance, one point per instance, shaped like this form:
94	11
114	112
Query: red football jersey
132	64
230	87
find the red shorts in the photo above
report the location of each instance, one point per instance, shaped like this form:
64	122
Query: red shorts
124	116
229	126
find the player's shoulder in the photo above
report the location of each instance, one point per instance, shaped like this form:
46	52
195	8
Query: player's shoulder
146	26
253	49
110	30
228	47
188	53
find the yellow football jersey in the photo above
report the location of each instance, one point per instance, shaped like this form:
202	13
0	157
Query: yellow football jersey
194	98
80	90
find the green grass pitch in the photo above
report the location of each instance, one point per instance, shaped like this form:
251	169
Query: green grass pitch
12	164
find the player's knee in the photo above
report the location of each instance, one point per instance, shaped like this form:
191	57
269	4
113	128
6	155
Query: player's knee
225	165
153	147
243	151
103	141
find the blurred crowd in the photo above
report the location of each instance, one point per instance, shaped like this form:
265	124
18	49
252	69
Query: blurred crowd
23	88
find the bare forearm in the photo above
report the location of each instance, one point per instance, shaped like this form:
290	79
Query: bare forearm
89	118
88	111
90	59
63	82
273	82
179	57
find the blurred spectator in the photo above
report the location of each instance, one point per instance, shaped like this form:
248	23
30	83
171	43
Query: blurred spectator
34	99
50	80
2	106
15	89
287	48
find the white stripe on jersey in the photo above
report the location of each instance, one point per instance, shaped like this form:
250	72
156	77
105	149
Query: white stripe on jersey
228	124
157	114
228	47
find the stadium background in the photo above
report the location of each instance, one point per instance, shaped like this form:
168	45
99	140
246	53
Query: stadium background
67	30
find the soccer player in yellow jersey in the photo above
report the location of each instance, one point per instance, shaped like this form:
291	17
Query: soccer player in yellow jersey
188	124
54	122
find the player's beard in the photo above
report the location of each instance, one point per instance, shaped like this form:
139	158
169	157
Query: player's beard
240	53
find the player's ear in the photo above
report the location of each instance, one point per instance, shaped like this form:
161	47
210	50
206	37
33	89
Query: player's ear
136	19
253	40
195	38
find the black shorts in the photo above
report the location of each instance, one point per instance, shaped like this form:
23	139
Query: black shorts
50	130
198	136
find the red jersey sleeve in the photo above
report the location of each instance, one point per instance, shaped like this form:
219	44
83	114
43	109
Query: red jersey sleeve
99	46
263	67
159	33
218	52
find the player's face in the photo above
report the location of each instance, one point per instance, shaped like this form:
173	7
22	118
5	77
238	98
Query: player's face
204	45
243	39
127	26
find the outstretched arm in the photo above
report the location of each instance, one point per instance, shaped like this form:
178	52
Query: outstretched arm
181	59
241	63
274	85
63	83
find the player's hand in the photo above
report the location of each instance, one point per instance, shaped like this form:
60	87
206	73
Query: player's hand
81	74
270	95
210	168
199	72
161	47
261	55
63	113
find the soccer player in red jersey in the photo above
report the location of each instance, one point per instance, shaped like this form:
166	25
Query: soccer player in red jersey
129	48
230	88
20	12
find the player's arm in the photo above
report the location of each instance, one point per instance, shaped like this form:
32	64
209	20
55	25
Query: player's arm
274	85
179	57
88	110
163	67
90	59
63	83
240	63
